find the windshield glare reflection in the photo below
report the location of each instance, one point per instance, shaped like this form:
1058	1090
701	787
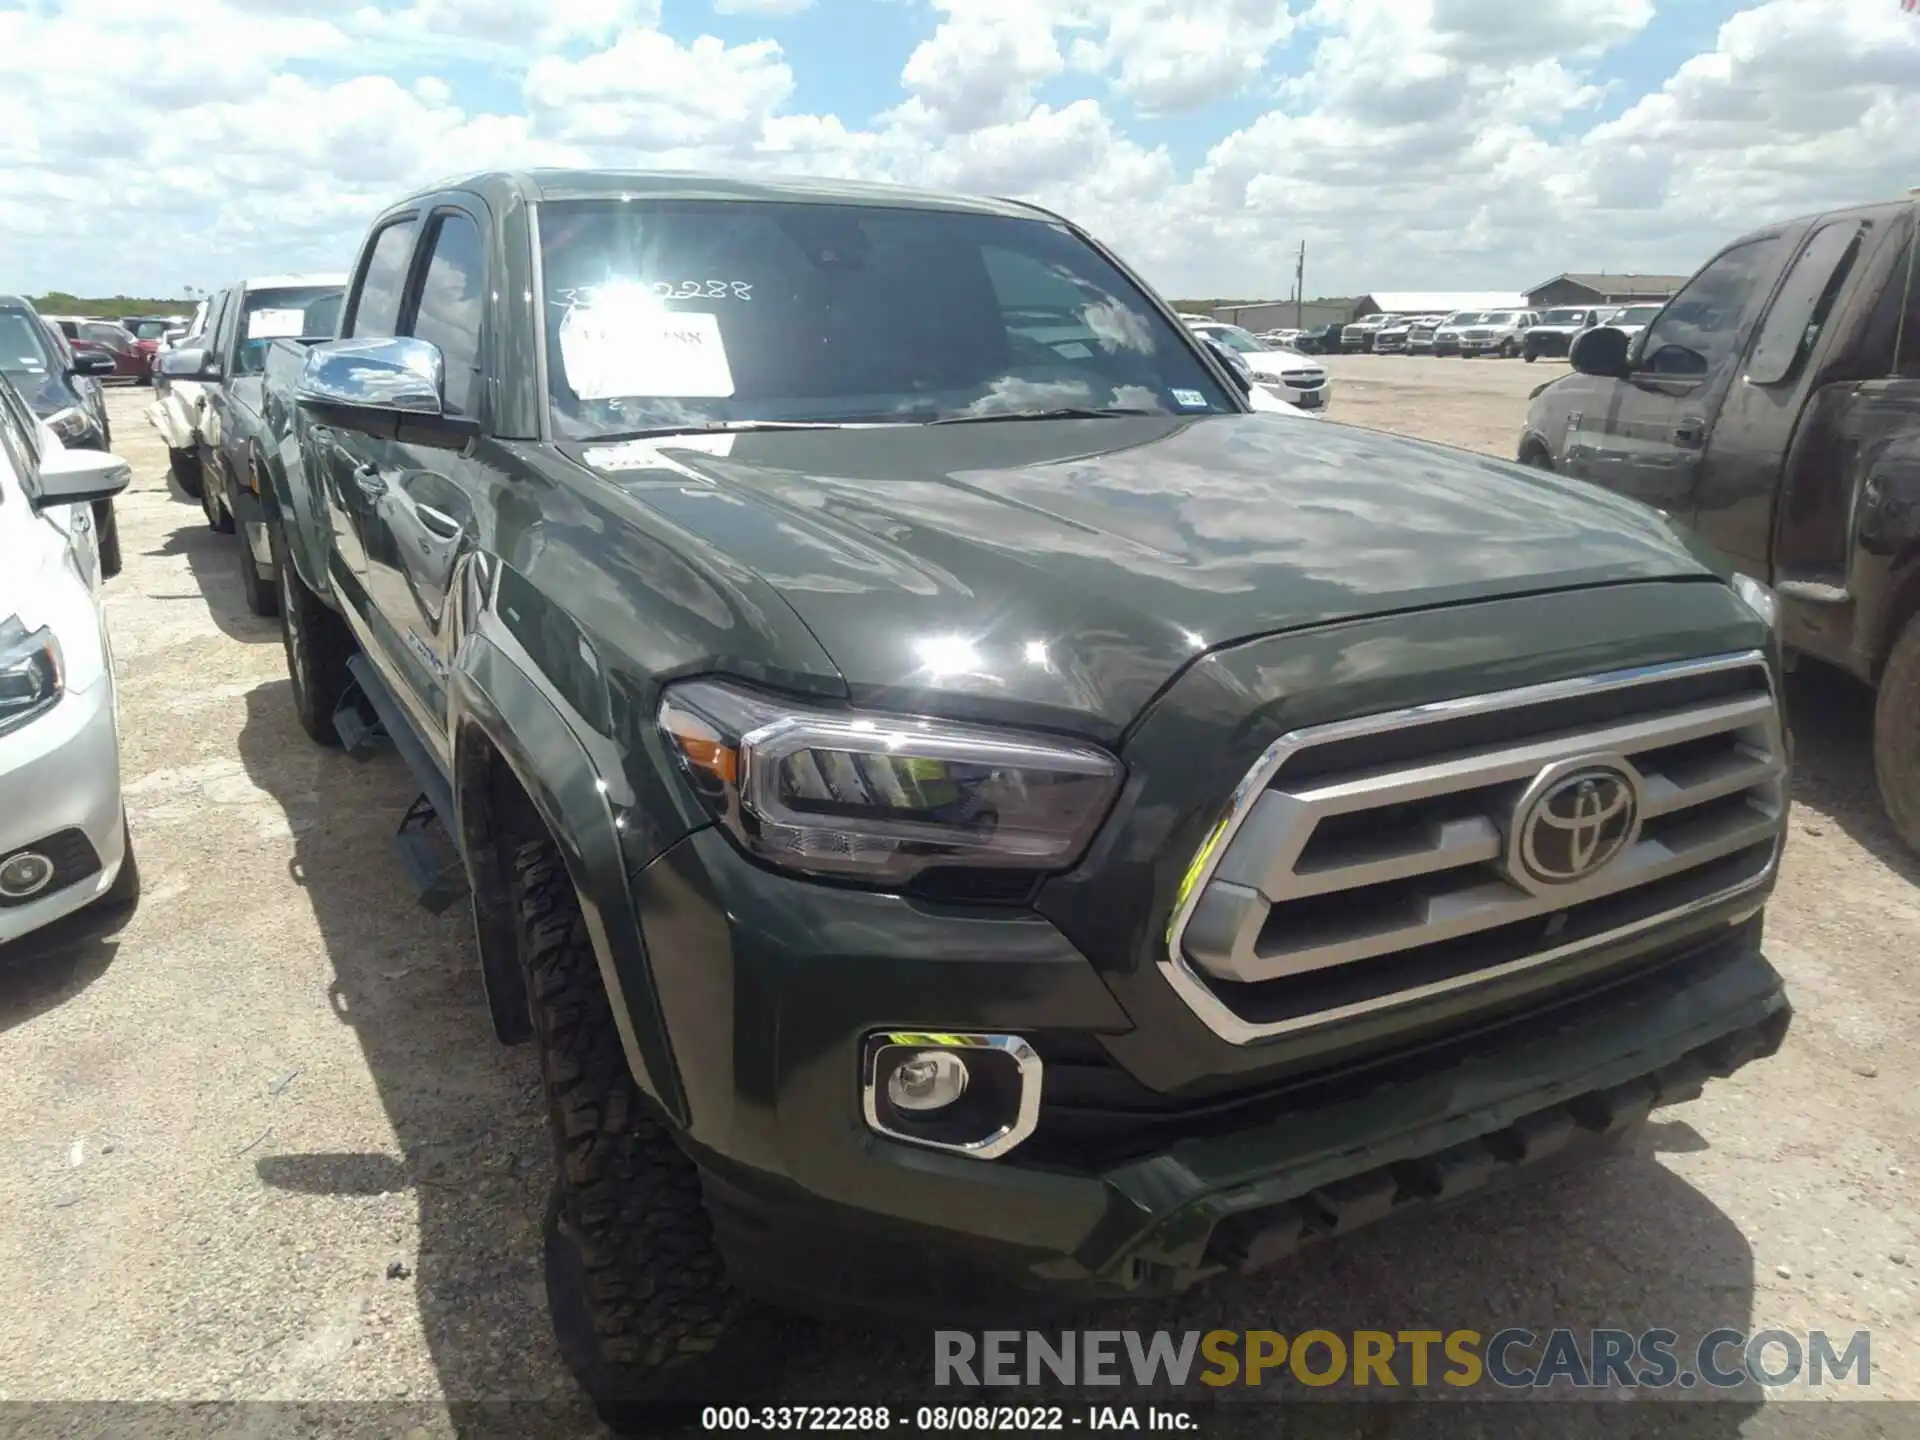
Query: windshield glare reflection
694	312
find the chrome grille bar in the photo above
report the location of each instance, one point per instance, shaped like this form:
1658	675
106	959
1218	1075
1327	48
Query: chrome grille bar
1357	866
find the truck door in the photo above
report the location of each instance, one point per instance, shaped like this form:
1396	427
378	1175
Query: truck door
1734	504
421	513
1847	513
345	461
1650	436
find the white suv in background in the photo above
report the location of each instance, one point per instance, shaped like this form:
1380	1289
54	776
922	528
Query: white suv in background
1497	332
1281	374
64	843
178	408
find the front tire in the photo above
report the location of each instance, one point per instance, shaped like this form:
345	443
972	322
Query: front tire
124	893
639	1298
263	597
185	468
317	642
1896	735
212	502
106	530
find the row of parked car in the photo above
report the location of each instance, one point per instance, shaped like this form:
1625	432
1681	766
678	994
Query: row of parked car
1529	335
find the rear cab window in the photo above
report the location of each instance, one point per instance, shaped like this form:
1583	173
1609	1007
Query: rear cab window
1805	302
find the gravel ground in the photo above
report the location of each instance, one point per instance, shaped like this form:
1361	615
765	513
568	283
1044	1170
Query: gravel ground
261	1146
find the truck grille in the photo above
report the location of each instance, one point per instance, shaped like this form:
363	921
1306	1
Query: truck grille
1377	861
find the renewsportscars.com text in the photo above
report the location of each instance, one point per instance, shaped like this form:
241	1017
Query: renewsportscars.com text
1511	1358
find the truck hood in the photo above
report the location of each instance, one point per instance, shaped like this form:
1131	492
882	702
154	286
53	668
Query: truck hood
1065	570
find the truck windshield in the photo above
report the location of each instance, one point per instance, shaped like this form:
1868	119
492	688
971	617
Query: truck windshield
1562	317
1231	338
299	312
686	312
23	346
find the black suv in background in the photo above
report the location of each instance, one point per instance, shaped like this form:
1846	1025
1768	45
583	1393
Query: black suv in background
62	389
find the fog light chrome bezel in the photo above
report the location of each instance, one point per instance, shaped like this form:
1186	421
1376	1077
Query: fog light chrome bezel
1027	1067
49	870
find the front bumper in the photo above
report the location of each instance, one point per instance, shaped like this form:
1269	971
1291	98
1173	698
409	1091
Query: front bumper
1446	344
1312	398
60	786
171	416
783	979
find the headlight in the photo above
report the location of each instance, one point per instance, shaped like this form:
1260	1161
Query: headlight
30	673
1760	599
71	423
882	797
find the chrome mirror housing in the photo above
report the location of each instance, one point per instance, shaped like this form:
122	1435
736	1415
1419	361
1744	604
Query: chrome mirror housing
395	373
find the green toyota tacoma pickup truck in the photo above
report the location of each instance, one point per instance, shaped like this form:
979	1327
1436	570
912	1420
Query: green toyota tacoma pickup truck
962	805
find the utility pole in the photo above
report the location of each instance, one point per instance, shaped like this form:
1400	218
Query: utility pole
1299	285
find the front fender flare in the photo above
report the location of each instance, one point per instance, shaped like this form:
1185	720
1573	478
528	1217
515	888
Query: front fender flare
492	699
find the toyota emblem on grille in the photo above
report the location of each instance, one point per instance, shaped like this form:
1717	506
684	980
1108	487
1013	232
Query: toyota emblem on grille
1575	819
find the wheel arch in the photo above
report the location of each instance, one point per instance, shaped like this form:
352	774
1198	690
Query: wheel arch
517	764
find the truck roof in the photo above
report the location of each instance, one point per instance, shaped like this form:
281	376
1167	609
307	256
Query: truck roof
288	282
549	184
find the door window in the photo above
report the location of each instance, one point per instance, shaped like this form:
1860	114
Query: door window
376	306
1699	331
447	312
1907	280
19	438
1805	301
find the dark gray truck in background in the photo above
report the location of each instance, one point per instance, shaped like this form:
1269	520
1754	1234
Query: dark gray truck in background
1773	409
240	443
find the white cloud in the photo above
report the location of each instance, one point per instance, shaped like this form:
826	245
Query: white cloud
1412	143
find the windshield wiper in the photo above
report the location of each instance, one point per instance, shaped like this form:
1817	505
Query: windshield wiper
716	427
1062	412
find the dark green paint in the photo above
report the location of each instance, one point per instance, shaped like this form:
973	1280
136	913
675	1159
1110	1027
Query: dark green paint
1180	590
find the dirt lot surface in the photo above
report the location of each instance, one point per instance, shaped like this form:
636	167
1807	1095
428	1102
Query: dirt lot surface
260	1145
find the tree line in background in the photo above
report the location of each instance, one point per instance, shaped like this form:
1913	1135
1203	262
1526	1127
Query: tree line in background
118	307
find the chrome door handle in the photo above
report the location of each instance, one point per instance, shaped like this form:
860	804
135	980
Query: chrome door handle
367	477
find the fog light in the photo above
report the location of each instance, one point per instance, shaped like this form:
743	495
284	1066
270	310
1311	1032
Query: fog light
976	1095
24	874
930	1080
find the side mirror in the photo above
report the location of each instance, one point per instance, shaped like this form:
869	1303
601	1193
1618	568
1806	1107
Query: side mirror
193	363
393	388
91	363
79	477
1236	367
1600	351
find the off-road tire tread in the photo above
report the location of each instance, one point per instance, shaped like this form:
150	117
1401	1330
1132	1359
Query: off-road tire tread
328	642
628	1200
1896	734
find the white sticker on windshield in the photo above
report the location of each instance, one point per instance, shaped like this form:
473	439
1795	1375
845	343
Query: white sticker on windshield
646	454
621	350
276	324
1189	399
